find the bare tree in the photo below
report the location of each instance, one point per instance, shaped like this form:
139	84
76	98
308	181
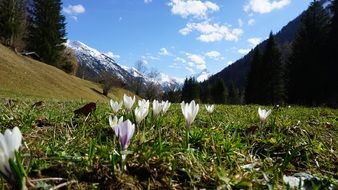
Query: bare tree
141	67
138	82
68	61
108	81
173	94
153	89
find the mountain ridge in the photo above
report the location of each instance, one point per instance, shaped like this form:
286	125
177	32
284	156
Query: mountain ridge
237	71
91	63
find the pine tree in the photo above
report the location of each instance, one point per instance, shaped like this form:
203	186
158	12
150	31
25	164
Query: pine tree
205	92
253	79
272	74
332	83
47	33
12	19
234	94
307	69
219	92
190	90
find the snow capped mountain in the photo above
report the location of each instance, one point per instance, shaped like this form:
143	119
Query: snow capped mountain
326	3
92	63
202	76
167	82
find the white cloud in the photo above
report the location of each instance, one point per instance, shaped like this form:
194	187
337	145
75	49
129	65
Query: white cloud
265	6
74	9
148	1
179	59
243	51
240	22
190	64
148	56
251	21
175	66
191	70
144	62
201	67
254	41
152	57
112	55
164	52
74	18
215	55
194	8
212	32
197	59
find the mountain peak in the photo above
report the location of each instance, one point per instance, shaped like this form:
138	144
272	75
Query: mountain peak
202	76
92	63
80	46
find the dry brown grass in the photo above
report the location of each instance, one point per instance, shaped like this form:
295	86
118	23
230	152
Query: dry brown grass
24	77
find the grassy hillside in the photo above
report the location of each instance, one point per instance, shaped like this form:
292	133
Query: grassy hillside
23	77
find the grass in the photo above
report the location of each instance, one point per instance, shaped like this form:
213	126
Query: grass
223	146
24	77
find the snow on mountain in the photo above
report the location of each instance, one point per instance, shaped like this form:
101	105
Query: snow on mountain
326	3
167	82
91	63
202	76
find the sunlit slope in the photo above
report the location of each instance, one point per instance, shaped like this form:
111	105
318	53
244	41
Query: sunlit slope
24	77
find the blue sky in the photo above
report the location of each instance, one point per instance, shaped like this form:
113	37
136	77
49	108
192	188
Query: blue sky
177	37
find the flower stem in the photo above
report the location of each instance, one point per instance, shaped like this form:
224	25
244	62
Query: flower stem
123	162
187	137
160	138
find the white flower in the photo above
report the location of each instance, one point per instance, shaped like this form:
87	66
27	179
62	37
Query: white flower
209	108
116	106
189	111
263	114
165	106
140	113
115	121
10	142
124	131
143	103
157	107
128	102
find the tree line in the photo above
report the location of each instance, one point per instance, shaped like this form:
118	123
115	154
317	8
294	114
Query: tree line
211	91
308	76
37	26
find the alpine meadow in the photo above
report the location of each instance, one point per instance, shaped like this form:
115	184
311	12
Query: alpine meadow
160	102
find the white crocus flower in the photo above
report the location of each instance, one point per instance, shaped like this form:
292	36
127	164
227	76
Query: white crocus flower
10	142
128	102
115	121
189	111
209	108
143	103
157	107
140	114
165	106
263	114
115	105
